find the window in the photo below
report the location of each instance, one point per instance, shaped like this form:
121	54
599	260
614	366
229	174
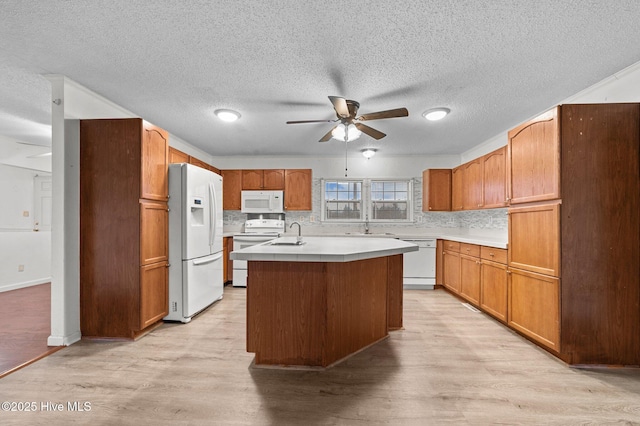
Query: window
342	200
358	200
390	200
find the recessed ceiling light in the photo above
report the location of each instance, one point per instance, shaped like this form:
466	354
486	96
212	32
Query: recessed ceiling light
436	114
227	115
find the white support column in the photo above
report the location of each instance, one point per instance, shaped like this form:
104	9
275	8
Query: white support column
65	282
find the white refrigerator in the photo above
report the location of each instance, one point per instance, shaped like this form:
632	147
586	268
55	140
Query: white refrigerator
195	240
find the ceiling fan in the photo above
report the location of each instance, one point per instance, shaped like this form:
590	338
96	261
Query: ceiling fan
346	111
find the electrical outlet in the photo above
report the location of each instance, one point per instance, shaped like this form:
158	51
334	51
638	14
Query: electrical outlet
25	213
312	218
20	268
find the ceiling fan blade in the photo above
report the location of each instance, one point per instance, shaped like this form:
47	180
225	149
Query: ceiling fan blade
328	136
376	134
398	112
340	105
310	121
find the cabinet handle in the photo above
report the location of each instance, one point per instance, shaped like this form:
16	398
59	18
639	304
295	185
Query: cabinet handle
508	271
491	253
479	205
478	262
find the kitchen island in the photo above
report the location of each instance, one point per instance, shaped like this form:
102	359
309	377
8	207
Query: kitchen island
316	303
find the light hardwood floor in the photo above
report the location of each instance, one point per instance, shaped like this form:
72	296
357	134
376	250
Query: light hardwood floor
449	365
25	325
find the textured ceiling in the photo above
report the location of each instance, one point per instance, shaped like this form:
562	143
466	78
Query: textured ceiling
493	63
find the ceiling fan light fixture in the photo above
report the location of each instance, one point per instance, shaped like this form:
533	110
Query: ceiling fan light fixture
227	115
369	152
436	114
352	133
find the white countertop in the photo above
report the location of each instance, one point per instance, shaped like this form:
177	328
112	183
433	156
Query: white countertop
325	249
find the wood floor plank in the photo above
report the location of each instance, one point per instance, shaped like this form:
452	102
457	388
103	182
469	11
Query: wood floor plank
25	325
448	365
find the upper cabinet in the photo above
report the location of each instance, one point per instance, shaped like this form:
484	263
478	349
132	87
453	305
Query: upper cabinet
472	185
154	183
534	160
436	190
457	188
494	178
231	189
297	189
269	179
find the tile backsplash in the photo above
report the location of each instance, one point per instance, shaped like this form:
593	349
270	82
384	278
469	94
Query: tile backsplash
472	219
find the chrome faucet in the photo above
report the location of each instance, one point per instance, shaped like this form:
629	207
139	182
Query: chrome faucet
299	230
366	224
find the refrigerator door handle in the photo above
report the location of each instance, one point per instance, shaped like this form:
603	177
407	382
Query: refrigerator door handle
212	210
207	259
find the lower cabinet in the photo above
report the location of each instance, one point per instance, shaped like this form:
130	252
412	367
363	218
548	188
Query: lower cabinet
154	296
493	293
470	273
534	306
451	270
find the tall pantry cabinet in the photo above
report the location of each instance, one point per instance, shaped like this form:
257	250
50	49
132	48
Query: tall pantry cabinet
574	232
123	227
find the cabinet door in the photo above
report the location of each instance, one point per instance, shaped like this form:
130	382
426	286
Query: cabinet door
451	262
439	262
457	188
534	306
472	185
534	239
154	163
493	289
297	189
154	230
436	190
273	179
470	278
154	293
177	156
252	179
534	160
494	178
231	189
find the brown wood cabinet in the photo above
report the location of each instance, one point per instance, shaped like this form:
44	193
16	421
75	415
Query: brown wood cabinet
268	179
494	179
177	156
231	189
534	306
123	227
534	160
595	297
493	282
197	162
227	263
436	190
470	278
297	189
457	188
439	263
472	197
534	238
451	266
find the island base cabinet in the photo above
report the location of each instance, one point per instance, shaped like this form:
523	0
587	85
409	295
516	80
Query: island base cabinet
315	313
534	306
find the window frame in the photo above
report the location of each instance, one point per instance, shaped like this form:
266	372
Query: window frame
366	212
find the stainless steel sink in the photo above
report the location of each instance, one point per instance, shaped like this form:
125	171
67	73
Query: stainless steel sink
287	243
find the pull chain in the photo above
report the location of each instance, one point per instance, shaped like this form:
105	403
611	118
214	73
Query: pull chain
345	154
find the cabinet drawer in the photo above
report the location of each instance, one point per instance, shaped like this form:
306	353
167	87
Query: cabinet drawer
452	246
470	249
494	254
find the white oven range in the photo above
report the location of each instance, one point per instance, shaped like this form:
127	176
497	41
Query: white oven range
256	231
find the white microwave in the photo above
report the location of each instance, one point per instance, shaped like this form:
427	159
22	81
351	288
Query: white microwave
262	202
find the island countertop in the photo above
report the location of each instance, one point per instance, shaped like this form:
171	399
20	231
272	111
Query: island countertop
324	249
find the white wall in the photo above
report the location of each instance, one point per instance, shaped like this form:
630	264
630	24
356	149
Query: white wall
19	244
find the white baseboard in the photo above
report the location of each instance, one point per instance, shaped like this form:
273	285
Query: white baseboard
25	284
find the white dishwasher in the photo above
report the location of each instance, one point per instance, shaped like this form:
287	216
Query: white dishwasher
419	267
